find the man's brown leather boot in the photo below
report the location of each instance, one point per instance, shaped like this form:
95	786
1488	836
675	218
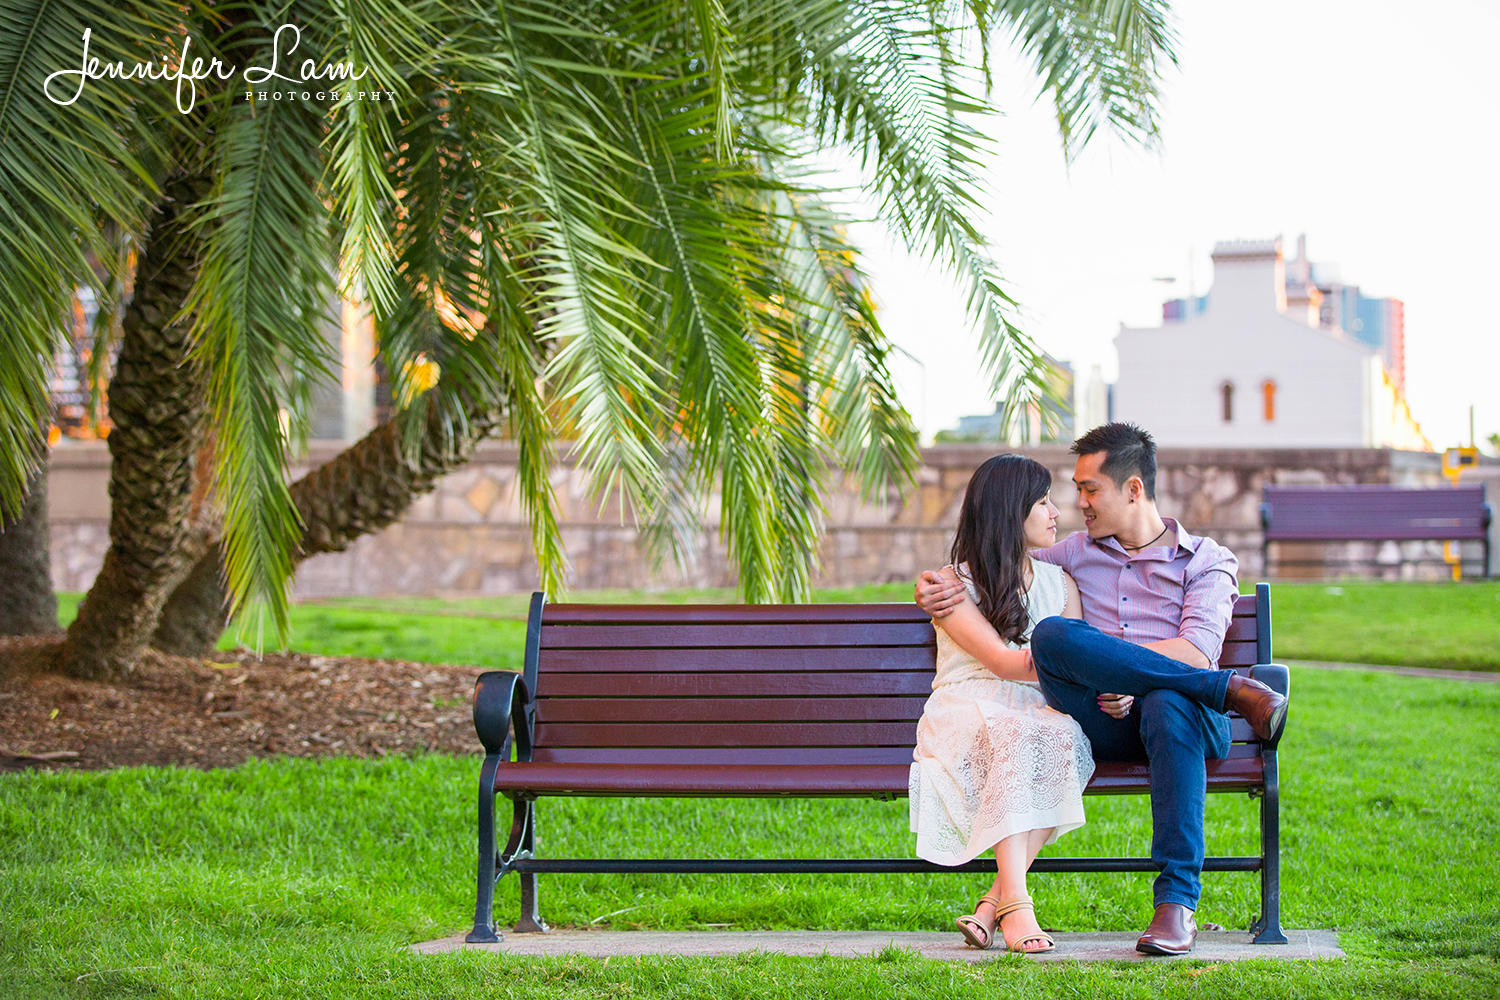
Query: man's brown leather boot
1263	708
1172	932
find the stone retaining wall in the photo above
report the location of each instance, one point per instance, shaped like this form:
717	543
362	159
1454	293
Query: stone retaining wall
469	536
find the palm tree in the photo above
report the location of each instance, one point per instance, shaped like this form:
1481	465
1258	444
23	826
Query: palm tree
27	604
587	219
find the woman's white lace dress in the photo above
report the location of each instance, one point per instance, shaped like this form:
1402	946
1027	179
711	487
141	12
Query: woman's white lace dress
992	759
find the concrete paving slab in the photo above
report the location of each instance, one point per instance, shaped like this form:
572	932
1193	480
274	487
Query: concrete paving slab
1213	946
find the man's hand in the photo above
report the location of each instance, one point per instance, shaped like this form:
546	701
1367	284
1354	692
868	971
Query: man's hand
937	595
1183	651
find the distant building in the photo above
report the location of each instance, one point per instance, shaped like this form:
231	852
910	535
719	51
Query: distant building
73	405
1040	424
1277	354
1316	288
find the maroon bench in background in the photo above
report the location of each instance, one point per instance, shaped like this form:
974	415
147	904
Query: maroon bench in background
768	701
1376	514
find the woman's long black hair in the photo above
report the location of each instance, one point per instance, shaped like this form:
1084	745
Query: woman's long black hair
991	537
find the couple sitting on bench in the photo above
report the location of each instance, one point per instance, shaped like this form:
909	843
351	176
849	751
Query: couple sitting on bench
1103	645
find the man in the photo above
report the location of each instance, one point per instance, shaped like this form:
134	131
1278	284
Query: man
1157	602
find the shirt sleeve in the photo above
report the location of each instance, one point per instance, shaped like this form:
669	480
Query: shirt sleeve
1208	598
1059	554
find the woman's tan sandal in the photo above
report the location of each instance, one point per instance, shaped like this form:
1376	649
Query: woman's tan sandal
1004	906
976	934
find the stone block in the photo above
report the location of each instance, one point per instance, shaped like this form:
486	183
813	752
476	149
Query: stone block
482	495
455	507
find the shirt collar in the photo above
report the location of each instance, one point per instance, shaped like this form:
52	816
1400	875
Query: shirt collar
1185	542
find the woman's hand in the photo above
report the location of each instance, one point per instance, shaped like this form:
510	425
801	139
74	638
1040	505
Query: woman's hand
1116	705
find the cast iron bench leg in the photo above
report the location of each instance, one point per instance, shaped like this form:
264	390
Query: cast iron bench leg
484	923
1267	929
531	921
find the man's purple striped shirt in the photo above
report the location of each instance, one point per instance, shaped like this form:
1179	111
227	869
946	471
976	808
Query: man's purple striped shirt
1154	594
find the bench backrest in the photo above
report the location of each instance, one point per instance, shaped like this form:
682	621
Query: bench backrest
1374	513
755	684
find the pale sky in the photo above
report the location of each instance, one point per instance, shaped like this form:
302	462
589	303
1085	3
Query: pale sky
1370	126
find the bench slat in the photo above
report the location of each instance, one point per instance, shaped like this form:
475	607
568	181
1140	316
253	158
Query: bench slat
1379	533
1240	630
1238	654
1235	773
774	734
854	709
673	636
648	757
741	660
725	684
719	614
616	736
725	756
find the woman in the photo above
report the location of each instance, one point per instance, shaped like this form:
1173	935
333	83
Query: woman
994	767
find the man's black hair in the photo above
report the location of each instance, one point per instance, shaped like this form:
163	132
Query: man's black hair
1128	451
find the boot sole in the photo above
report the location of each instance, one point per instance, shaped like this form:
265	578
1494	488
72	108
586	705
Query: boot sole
1277	722
1156	949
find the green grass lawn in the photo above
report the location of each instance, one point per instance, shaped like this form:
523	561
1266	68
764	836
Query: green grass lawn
296	878
1413	624
1454	625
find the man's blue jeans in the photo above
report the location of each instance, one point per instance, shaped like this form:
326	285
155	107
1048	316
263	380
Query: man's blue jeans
1177	722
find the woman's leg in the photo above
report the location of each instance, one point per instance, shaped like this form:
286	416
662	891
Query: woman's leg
1013	856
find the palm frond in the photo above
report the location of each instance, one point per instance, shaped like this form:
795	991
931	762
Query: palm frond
868	427
585	301
1100	59
374	37
259	305
65	164
706	241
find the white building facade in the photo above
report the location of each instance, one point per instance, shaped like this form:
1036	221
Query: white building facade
1244	368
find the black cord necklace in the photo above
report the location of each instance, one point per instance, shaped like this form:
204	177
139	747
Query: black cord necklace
1137	548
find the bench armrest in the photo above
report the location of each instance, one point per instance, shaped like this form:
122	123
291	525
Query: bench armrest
1279	679
500	699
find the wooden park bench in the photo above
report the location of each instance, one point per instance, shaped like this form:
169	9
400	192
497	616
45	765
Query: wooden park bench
768	701
1374	513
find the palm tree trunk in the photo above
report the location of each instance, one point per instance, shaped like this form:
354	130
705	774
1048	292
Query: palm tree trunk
363	489
28	605
156	403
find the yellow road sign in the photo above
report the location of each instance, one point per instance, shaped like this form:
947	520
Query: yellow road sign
1456	460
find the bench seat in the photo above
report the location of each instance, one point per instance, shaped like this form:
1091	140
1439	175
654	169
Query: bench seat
878	781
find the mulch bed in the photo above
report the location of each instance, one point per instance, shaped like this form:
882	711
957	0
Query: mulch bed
221	711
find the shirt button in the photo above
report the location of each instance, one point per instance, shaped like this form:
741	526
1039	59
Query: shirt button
1124	598
1129	565
1127	625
